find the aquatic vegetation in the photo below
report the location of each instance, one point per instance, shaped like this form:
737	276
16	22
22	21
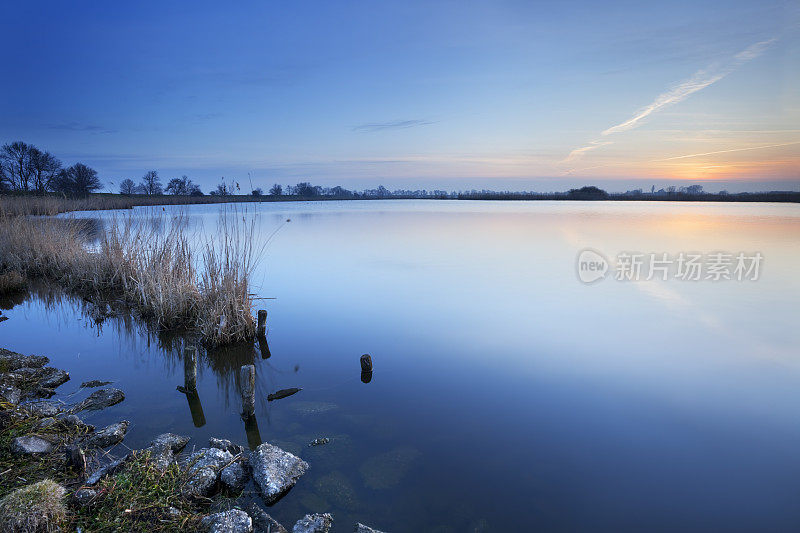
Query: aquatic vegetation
388	469
153	269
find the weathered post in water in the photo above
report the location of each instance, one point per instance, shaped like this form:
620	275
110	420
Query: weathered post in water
262	322
247	376
190	367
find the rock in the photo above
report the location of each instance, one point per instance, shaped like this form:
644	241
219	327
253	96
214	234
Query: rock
75	422
319	442
361	528
234	477
283	393
100	399
233	521
263	522
10	393
203	467
46	377
366	363
94	383
30	444
108	469
36	507
176	443
275	471
45	423
108	436
10	361
161	457
84	497
44	409
314	523
174	512
226	445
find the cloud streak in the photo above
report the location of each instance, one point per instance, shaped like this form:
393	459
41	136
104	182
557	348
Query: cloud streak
726	151
697	82
393	125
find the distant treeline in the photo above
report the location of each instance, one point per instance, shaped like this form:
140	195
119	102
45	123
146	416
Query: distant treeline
25	169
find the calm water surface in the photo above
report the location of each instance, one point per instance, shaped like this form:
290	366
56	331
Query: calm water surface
507	395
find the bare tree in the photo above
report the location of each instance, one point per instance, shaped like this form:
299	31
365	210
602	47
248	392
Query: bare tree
151	183
15	159
182	186
78	180
44	168
127	186
276	190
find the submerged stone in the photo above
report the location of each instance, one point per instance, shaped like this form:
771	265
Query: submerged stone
361	528
108	436
314	523
94	383
275	471
233	521
387	469
100	399
30	444
337	489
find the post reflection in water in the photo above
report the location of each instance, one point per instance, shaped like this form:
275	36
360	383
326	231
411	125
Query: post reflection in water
253	434
196	408
263	347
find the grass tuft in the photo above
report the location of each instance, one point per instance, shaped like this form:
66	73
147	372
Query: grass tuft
34	508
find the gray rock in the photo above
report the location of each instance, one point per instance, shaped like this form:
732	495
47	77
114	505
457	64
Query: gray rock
234	477
108	436
84	497
10	361
174	512
106	470
203	468
94	383
174	442
30	444
46	377
44	409
263	522
361	528
233	521
45	423
161	457
75	422
225	444
275	471
314	523
100	399
10	393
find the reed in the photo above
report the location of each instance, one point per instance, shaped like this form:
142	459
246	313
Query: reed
160	270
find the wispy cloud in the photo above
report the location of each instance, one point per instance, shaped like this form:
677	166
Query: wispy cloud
77	126
392	125
697	82
726	151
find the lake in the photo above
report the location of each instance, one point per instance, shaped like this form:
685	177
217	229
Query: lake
507	394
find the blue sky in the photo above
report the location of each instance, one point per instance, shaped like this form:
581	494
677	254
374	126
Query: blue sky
456	95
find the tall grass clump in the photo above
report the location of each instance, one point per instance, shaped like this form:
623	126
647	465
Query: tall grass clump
159	269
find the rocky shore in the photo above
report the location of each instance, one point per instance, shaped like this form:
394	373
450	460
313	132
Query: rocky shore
58	475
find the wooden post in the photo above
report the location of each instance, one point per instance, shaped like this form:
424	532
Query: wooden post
262	322
247	376
366	363
190	367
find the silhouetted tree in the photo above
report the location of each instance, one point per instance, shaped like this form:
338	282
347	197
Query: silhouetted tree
257	192
306	189
77	180
15	160
182	186
587	193
151	183
44	168
127	187
276	190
